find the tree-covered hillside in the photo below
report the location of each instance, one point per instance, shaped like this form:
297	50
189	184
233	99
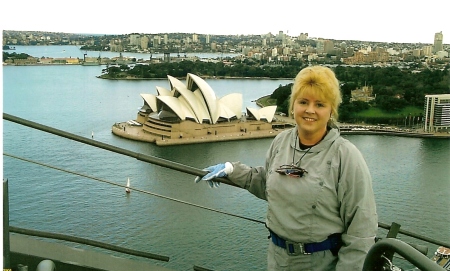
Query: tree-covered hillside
394	89
246	68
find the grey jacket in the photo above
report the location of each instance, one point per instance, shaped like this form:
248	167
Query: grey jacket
334	196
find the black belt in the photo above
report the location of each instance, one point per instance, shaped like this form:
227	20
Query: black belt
333	243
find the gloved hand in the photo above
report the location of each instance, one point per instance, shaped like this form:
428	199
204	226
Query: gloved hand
217	171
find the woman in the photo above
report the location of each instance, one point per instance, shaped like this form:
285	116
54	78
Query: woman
321	208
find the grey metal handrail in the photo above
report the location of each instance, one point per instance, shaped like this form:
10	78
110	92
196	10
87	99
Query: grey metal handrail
139	156
415	235
89	242
6	242
375	255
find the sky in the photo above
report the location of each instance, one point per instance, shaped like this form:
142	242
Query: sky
400	21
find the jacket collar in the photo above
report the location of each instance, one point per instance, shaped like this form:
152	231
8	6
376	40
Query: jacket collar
331	136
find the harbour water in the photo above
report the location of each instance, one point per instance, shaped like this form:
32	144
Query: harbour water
410	175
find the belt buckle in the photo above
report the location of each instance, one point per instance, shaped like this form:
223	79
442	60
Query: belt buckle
299	248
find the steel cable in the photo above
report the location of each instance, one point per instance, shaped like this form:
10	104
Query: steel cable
131	188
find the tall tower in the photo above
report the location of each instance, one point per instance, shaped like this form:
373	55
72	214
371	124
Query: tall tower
438	39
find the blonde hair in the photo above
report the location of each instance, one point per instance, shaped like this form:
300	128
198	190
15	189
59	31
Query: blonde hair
317	80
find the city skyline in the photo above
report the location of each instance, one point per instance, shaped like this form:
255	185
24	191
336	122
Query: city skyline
384	21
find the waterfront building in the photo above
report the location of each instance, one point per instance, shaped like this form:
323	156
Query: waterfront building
144	42
66	60
18	61
156	41
116	45
192	111
437	113
135	39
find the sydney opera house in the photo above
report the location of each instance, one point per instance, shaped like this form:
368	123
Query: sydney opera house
191	113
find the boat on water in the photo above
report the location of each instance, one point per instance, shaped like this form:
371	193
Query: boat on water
442	257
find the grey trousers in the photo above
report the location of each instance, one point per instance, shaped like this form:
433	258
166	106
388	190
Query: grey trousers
279	260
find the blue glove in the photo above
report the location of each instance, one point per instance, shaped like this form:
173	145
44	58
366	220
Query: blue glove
217	171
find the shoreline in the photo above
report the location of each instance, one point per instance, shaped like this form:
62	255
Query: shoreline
139	78
205	77
396	133
125	130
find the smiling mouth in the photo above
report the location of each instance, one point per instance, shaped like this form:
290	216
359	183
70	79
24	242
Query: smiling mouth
309	119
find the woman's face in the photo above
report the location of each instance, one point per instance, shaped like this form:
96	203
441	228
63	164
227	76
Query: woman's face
311	115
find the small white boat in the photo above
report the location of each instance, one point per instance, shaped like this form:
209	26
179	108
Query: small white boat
127	188
442	257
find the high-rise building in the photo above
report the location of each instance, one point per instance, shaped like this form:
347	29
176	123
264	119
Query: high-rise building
438	45
320	46
115	45
427	50
144	42
303	36
280	35
328	46
156	41
135	39
436	112
274	52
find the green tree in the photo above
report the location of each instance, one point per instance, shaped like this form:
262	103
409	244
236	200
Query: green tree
281	94
389	103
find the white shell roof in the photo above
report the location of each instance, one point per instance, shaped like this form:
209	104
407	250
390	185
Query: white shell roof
197	105
174	104
232	102
179	107
163	92
197	101
253	112
150	99
187	109
199	97
266	113
208	95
